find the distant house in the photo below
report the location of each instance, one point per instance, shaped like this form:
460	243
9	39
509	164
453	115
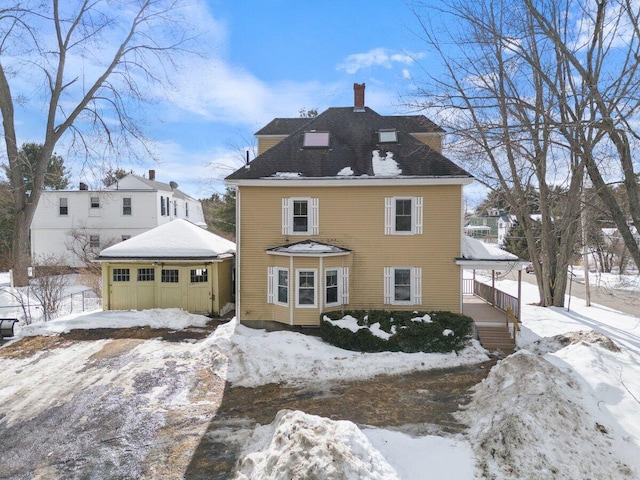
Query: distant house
175	265
99	218
348	210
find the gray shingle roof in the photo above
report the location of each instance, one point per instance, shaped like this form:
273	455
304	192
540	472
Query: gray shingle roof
353	138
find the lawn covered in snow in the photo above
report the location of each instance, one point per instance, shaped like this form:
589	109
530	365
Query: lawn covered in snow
565	406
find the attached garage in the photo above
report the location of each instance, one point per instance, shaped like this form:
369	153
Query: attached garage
175	265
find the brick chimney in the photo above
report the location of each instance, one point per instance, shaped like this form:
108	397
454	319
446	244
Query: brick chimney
358	97
152	174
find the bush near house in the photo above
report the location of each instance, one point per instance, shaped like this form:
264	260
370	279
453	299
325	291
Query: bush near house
396	331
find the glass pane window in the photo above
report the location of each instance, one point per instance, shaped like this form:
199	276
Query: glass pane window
94	241
403	215
402	285
120	274
300	216
306	287
95	202
169	276
126	206
162	205
332	286
64	206
199	275
146	274
283	286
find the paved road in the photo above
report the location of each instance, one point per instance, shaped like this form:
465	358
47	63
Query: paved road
627	301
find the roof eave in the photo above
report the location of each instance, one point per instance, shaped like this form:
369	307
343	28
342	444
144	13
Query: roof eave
349	181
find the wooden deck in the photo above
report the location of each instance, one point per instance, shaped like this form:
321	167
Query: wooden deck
492	327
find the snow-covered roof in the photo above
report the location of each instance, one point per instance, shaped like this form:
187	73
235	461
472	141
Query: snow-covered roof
174	240
478	254
308	247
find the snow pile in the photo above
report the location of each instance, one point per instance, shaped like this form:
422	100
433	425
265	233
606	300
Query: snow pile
172	318
345	172
252	357
350	323
385	166
528	420
297	445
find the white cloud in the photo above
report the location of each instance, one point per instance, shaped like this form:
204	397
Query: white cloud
382	57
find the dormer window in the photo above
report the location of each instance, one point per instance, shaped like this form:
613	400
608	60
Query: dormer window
388	136
315	139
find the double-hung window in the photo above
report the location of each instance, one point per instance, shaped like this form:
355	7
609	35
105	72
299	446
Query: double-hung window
94	241
403	216
163	211
278	286
300	216
126	206
95	202
336	290
306	289
403	285
64	207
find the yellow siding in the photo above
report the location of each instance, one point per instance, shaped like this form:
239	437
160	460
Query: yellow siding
265	143
434	140
353	218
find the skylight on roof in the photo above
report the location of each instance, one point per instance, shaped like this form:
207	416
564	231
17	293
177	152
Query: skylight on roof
315	139
387	136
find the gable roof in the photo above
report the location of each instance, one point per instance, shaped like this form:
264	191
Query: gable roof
353	144
178	239
132	179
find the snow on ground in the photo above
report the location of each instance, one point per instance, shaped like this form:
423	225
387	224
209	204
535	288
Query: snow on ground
172	318
253	357
565	406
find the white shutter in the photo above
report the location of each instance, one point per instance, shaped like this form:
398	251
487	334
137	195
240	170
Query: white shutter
345	285
285	216
417	215
314	216
388	216
388	285
416	286
270	283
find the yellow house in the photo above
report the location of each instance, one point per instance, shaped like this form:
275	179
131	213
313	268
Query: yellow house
348	210
175	265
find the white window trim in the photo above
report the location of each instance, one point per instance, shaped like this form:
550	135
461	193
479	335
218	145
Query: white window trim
416	286
312	212
272	285
390	216
315	288
343	286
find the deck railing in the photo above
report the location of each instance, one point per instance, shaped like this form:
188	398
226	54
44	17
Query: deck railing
499	299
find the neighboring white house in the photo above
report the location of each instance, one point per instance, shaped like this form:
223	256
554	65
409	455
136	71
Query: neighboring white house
100	218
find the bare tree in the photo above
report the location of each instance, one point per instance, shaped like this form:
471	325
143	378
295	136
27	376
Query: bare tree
598	45
126	46
499	107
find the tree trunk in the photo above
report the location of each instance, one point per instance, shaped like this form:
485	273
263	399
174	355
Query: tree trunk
21	250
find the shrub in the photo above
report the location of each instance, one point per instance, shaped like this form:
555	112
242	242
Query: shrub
443	332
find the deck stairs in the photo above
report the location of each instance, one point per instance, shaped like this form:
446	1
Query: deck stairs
496	339
491	326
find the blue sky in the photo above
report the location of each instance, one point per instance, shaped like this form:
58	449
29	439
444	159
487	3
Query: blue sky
265	59
271	58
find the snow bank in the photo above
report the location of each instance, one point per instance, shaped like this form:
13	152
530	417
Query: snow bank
297	445
249	357
528	420
172	318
